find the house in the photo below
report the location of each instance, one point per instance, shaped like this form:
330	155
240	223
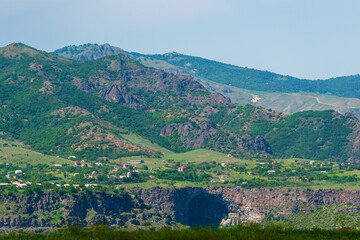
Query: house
84	164
18	184
271	171
274	165
18	172
229	155
98	164
136	161
84	160
182	169
77	163
126	166
224	175
214	180
57	165
71	157
223	164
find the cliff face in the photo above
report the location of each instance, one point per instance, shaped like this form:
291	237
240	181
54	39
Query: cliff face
210	206
160	207
49	210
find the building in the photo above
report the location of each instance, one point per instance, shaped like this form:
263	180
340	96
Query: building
224	175
77	163
214	180
135	161
18	172
271	171
182	169
98	164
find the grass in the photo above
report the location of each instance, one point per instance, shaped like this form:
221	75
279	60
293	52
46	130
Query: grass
145	143
254	232
17	154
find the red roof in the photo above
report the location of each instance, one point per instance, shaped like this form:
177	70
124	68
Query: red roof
182	167
256	173
275	165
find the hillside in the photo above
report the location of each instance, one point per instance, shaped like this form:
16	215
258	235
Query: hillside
253	79
63	107
244	85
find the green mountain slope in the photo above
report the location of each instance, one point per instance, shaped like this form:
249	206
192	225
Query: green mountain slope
253	79
61	106
244	85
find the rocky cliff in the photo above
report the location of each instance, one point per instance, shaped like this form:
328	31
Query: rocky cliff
54	209
231	205
160	207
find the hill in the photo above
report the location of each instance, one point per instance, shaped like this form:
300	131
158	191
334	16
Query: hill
61	107
253	79
245	85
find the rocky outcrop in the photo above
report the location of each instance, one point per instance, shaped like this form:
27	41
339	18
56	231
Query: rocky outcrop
99	51
49	210
192	136
160	207
194	206
259	144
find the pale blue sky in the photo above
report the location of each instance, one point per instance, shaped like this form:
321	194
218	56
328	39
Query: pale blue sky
303	38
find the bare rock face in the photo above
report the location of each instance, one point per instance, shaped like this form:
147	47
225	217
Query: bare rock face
258	144
194	206
197	206
99	51
192	137
118	94
166	131
37	211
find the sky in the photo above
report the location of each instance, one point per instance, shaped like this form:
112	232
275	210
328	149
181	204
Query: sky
313	39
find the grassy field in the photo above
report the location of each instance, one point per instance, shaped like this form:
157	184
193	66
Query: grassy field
16	153
145	143
253	232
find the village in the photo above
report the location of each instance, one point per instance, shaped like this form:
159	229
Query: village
178	173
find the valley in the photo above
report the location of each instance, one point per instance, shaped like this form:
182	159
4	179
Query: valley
106	139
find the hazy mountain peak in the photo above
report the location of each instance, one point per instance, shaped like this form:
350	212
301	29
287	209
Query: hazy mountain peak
89	51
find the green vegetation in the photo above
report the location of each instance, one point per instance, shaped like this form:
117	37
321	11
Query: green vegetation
254	231
52	104
324	217
252	79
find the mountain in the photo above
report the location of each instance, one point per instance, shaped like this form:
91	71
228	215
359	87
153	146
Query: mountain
65	107
89	51
261	88
253	79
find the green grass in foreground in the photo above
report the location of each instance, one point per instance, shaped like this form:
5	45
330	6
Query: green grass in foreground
255	232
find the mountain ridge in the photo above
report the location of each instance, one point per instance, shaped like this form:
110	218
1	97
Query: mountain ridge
127	94
254	87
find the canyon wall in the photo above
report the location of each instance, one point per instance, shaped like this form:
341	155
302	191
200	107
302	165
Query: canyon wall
163	207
